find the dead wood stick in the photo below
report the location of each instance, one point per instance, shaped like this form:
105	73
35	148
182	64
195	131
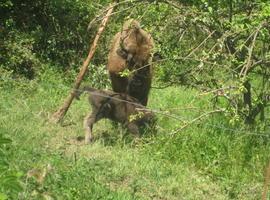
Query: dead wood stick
59	114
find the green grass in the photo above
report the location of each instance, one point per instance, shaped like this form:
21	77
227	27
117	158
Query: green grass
204	161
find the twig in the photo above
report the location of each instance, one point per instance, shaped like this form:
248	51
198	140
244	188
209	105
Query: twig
201	43
99	17
187	58
196	119
162	113
219	90
245	69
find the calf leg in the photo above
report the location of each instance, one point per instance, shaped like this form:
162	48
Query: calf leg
134	129
89	120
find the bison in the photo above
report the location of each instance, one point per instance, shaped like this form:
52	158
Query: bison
117	107
131	49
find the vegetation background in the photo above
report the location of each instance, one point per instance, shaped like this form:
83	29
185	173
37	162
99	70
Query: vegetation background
210	92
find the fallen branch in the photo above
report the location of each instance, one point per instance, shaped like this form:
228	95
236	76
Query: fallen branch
58	115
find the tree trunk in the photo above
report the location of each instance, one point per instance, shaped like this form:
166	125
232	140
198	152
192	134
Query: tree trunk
59	114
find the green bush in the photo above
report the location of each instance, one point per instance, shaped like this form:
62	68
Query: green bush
50	31
18	55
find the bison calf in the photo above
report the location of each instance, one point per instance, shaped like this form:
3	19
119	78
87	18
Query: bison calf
117	107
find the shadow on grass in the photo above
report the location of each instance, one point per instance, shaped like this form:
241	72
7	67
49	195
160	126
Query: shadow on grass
119	135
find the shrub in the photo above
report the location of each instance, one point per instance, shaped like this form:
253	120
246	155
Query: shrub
18	56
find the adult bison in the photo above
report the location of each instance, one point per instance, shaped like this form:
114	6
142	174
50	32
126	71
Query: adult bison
131	49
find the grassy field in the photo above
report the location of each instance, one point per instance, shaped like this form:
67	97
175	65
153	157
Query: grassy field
207	160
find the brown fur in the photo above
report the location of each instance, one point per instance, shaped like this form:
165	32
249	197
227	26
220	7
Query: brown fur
131	49
116	107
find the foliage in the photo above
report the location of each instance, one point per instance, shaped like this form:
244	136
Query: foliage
222	49
98	76
52	31
18	56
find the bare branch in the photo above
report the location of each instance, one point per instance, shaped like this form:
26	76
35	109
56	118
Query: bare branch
195	49
219	91
101	16
248	65
195	120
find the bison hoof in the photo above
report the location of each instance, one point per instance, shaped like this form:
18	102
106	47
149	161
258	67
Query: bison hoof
88	140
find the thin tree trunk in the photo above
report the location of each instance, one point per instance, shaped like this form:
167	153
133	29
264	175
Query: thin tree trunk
60	113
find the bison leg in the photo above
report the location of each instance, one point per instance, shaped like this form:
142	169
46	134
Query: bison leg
144	101
139	87
119	84
88	126
134	129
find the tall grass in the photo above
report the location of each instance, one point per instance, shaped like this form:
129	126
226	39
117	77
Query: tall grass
207	160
